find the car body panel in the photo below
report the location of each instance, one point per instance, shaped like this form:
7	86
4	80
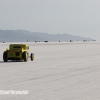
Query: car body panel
15	51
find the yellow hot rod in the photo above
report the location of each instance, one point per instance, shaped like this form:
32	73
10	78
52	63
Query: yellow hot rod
17	52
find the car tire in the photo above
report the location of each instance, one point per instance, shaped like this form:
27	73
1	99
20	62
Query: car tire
24	56
32	56
5	56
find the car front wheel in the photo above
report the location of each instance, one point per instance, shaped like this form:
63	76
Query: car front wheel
32	56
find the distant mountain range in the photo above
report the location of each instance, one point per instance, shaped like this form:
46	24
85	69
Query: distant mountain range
23	36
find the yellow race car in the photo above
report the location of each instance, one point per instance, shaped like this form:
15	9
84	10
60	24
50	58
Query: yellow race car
17	52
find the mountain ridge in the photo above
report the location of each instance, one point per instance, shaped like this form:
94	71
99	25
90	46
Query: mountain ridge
23	36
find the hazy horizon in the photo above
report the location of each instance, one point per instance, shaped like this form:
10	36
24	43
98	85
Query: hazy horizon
73	17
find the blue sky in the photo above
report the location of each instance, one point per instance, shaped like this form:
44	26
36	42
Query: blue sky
76	17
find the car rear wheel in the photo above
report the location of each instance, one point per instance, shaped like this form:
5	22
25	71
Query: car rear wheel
5	56
24	56
32	56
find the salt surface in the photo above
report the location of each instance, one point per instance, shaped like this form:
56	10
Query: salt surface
60	71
